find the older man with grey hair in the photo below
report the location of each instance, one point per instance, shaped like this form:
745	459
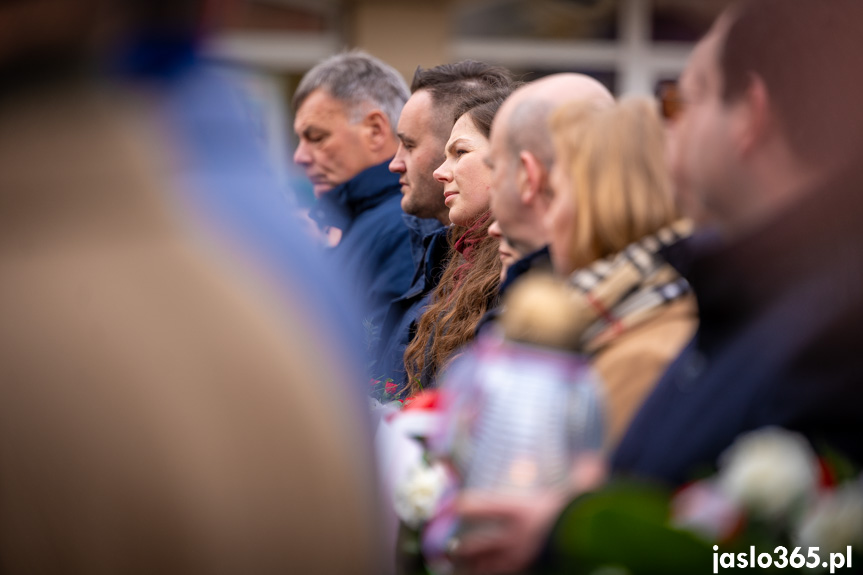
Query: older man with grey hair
346	112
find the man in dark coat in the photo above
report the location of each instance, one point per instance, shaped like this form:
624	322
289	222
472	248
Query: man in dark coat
346	112
521	156
768	156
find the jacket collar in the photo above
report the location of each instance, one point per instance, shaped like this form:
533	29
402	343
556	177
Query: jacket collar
540	259
340	206
437	254
434	250
421	230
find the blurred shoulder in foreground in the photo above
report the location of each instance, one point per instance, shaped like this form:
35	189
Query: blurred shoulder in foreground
160	407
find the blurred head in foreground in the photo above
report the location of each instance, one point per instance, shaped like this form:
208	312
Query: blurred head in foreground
771	106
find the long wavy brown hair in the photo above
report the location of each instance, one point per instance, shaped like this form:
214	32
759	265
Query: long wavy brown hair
467	290
468	286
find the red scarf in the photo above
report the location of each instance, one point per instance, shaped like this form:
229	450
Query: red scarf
467	244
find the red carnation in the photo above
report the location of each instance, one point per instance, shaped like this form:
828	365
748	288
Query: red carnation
424	400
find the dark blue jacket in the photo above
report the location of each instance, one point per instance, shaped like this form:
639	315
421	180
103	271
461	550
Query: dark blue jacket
374	253
540	260
431	250
780	342
537	261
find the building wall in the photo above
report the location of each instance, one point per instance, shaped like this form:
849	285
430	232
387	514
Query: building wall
404	34
628	44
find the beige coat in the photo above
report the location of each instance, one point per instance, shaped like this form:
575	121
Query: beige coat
632	363
156	413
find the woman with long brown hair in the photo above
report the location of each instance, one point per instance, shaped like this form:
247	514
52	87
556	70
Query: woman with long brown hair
468	287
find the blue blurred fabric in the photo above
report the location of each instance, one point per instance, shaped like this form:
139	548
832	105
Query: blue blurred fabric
228	188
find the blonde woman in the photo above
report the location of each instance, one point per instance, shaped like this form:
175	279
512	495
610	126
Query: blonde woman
611	213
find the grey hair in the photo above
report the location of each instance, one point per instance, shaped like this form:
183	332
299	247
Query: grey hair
360	81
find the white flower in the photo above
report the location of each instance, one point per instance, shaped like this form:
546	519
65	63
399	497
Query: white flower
417	496
836	521
768	471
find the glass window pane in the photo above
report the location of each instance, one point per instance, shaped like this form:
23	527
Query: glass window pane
537	19
683	20
282	16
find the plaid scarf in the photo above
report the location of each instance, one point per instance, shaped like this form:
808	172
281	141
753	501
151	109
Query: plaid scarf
627	288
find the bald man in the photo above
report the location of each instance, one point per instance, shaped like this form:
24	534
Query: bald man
520	157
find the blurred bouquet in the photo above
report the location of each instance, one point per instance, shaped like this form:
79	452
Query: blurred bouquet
771	496
385	391
510	418
514	411
422	487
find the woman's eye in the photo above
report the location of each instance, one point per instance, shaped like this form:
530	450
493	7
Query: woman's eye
460	152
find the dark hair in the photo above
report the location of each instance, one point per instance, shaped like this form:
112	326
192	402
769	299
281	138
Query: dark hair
51	43
449	84
804	51
165	17
466	291
482	106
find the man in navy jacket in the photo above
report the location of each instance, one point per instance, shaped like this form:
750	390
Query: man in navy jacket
346	111
423	130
